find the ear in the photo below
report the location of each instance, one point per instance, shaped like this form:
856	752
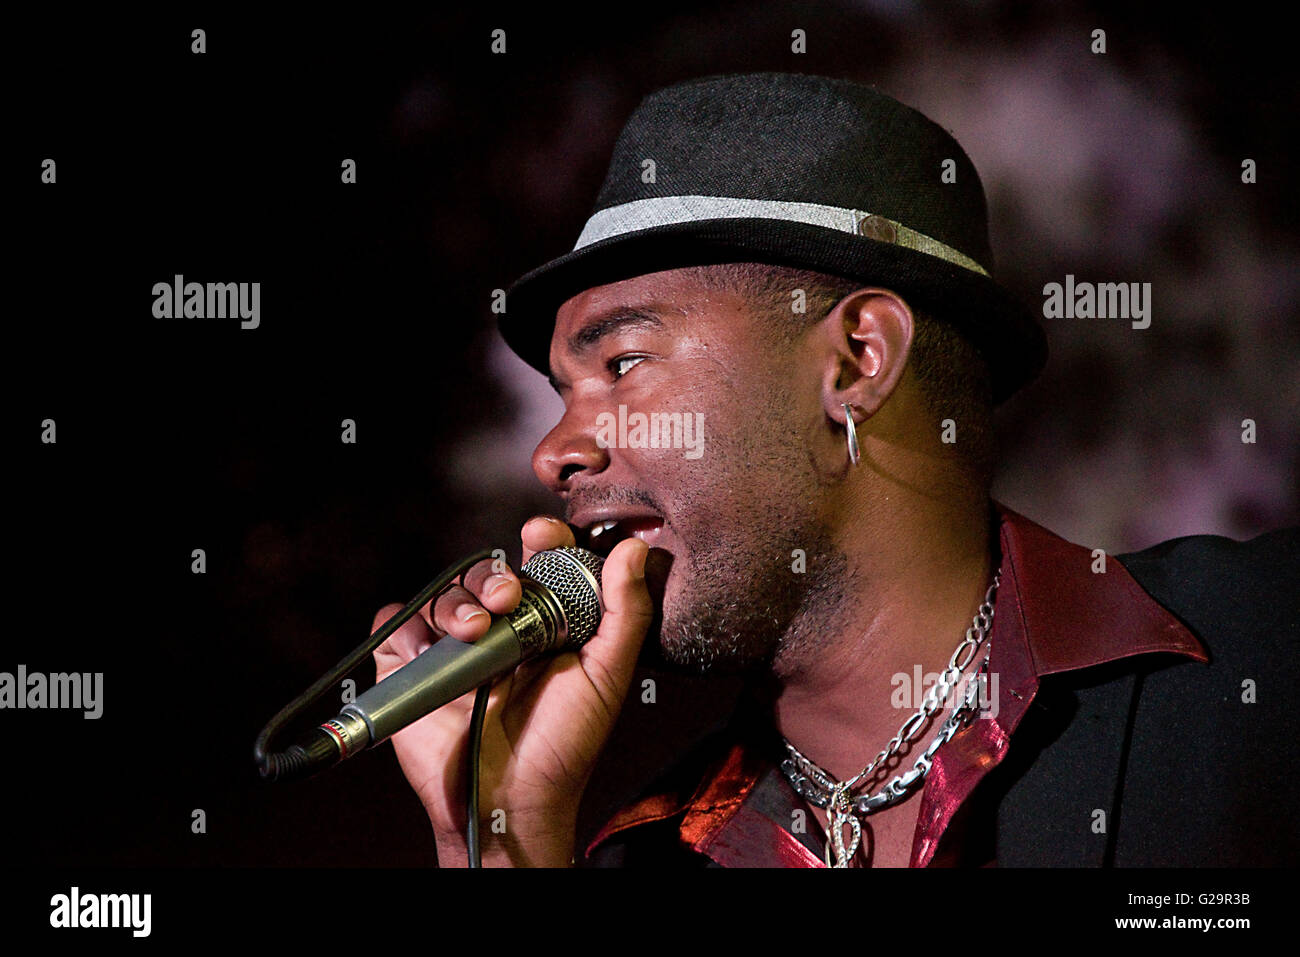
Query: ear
870	333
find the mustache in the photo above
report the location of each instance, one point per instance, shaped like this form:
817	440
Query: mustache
613	495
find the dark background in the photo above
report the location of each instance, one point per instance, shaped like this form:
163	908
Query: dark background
472	169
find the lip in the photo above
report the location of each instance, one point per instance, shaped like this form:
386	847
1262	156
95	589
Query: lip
633	523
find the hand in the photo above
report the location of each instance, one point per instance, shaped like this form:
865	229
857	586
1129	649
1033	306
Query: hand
545	724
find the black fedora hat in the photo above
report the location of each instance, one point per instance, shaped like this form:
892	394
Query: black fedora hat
793	170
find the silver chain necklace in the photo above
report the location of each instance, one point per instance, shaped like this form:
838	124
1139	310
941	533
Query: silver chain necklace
822	790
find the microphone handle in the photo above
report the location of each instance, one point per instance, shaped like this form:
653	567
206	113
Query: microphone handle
441	673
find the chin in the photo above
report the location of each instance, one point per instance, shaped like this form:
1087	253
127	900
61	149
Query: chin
695	644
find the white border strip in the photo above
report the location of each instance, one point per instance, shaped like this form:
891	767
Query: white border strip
669	210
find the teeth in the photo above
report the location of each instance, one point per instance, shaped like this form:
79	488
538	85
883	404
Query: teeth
602	527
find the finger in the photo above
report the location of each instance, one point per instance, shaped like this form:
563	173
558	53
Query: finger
543	532
403	644
494	584
458	613
609	659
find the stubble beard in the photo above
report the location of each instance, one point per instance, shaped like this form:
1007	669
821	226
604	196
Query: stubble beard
744	608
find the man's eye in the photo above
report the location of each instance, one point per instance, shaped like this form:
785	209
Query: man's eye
622	364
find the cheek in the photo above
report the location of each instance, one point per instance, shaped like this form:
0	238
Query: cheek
724	430
685	417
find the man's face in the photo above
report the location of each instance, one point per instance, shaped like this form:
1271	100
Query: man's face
733	487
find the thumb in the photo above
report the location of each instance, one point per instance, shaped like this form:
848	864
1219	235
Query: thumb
609	658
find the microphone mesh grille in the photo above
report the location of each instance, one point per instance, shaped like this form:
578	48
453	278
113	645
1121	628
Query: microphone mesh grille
573	576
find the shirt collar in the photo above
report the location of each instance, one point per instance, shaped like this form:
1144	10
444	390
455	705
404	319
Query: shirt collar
1077	606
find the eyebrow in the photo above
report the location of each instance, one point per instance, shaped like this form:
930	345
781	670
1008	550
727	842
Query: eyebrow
605	324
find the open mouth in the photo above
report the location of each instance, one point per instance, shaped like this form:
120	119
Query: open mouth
602	536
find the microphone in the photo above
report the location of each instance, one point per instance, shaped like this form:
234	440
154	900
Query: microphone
560	610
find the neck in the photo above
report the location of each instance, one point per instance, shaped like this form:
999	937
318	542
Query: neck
918	570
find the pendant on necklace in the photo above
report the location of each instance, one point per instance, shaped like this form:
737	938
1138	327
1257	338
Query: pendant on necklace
839	814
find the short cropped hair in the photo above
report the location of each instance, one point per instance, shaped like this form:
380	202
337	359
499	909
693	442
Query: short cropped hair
953	376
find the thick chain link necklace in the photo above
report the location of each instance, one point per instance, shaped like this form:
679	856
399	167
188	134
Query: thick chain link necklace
822	790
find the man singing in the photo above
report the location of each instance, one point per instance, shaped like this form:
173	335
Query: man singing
799	269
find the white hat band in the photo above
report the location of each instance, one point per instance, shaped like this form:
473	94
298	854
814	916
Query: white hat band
670	210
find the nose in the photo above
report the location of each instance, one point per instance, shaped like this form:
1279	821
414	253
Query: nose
570	449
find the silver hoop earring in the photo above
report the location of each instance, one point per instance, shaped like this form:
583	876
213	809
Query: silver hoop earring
851	428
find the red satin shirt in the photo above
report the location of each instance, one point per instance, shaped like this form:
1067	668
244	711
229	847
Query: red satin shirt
1052	613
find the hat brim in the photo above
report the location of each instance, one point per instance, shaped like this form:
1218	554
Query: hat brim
999	325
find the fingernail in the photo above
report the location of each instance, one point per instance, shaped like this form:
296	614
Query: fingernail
469	612
500	582
638	563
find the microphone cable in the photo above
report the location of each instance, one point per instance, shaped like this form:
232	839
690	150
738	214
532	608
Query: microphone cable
471	797
273	765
